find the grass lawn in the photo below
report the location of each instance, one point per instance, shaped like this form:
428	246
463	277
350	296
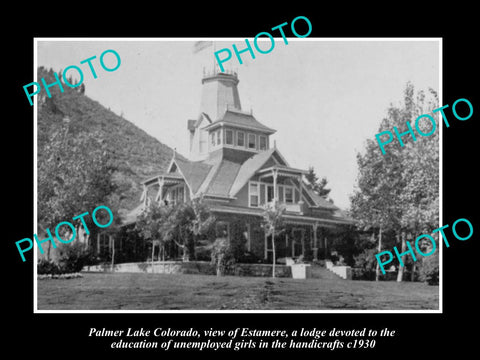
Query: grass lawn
140	291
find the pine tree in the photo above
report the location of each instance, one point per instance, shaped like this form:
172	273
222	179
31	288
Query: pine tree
316	184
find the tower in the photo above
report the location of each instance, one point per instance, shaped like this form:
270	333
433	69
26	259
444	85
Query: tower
222	126
219	93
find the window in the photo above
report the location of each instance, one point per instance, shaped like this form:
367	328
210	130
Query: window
269	193
176	194
262	194
219	137
240	138
229	137
253	193
280	193
288	195
222	229
212	138
252	144
180	192
263	143
247	236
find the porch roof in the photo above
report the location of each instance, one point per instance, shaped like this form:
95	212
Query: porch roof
290	218
167	178
282	170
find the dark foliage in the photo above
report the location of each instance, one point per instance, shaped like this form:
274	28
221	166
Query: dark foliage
72	258
45	266
134	154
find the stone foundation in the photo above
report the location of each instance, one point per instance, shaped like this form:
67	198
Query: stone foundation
191	267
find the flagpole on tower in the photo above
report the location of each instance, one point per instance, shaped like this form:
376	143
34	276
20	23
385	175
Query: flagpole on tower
200	45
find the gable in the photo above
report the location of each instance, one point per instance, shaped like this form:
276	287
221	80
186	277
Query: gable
194	173
253	164
173	168
223	179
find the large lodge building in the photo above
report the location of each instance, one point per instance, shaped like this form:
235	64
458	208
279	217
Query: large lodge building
238	170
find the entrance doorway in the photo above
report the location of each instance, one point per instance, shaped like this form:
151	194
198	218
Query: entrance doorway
298	242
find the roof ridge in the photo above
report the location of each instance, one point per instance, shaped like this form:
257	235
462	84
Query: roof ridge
208	179
246	163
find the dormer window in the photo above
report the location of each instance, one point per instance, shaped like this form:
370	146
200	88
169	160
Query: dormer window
240	138
263	143
252	143
228	137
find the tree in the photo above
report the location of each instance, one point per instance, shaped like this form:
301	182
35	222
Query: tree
317	185
201	219
273	225
221	255
150	225
75	175
175	227
398	191
186	221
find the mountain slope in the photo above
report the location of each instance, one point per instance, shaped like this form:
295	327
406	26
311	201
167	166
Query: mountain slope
135	154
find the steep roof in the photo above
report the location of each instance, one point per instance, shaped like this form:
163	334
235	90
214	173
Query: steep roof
248	169
319	200
223	178
242	120
194	172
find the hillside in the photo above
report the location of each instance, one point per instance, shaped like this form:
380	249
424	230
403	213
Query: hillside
136	154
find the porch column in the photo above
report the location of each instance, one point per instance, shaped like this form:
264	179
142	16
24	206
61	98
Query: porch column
160	190
300	185
111	242
286	243
275	192
98	243
326	253
303	241
266	247
315	245
144	195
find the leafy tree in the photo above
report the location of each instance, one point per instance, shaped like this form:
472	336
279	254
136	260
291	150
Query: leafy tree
150	225
184	223
201	218
221	255
316	184
398	191
274	225
74	176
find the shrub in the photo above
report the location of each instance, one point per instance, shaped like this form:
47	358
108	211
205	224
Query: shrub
222	256
238	241
72	258
202	253
47	267
365	264
249	258
430	270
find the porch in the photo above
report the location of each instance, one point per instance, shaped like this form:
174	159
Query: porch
309	240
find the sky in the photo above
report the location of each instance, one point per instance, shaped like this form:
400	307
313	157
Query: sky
325	97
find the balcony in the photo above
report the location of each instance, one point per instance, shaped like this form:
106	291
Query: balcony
295	208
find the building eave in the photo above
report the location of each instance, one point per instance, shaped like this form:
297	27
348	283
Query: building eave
289	217
217	124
